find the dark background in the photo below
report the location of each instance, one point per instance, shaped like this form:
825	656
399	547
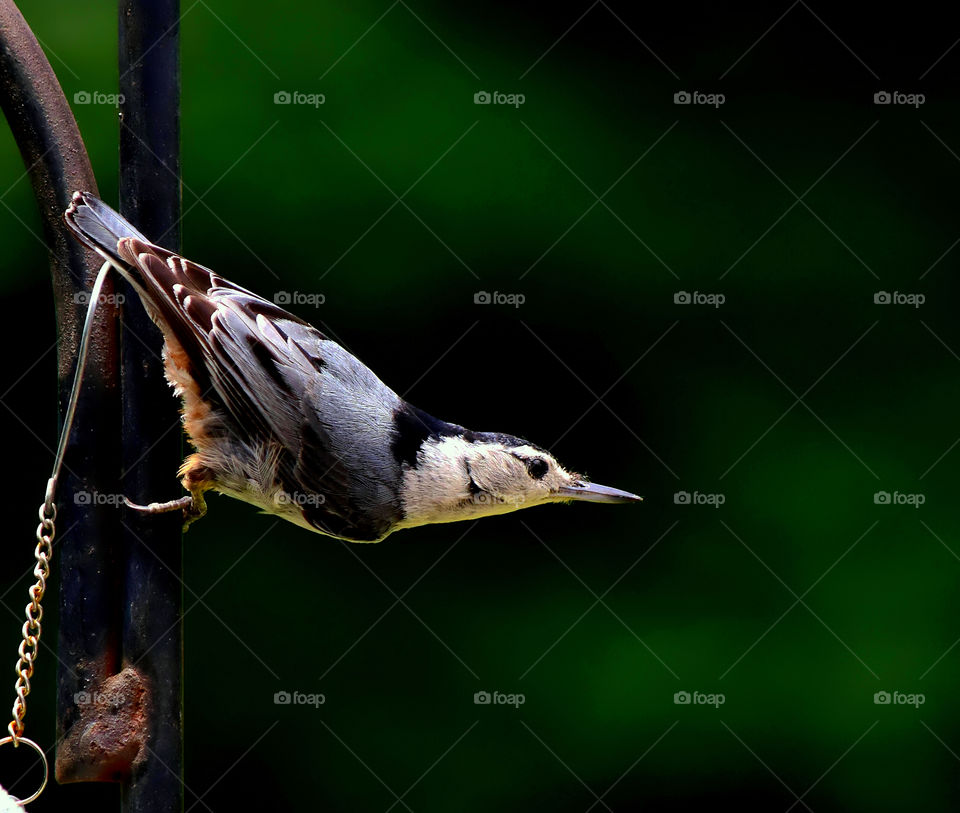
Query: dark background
797	400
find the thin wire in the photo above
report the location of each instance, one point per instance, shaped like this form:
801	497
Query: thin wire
75	389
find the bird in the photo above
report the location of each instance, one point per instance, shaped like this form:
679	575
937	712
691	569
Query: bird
284	418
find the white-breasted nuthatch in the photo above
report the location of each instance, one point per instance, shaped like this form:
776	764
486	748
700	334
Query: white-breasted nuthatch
284	418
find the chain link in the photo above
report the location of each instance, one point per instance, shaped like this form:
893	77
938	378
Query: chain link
30	645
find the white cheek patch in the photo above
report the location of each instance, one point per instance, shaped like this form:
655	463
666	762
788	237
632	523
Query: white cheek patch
439	488
433	489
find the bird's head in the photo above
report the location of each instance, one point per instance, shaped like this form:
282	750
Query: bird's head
475	474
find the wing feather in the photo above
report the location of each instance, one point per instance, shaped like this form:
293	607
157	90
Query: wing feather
275	382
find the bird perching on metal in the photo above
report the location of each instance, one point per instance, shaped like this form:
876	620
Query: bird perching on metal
284	418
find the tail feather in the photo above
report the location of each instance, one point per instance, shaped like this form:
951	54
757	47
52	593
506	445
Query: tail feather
98	226
172	290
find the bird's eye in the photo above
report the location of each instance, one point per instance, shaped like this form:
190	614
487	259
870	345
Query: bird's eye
537	468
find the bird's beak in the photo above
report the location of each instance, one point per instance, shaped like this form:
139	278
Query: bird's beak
591	492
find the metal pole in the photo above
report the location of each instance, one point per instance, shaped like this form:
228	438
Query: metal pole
150	198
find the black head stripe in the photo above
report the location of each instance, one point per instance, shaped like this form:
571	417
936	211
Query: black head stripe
412	428
509	441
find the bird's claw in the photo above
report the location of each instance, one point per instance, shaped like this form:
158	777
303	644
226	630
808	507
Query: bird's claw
193	507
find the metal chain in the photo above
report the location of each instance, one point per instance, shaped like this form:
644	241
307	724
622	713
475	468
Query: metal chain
43	553
30	646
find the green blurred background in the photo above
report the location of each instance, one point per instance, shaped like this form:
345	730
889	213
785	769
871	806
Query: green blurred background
797	599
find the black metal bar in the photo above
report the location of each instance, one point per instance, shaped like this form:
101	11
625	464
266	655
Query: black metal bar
49	141
150	198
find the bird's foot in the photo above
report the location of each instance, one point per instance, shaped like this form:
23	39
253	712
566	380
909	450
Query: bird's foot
193	507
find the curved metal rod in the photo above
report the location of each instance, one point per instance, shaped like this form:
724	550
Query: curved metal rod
53	152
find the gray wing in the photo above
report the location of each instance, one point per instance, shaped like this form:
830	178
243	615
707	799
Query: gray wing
281	380
331	414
